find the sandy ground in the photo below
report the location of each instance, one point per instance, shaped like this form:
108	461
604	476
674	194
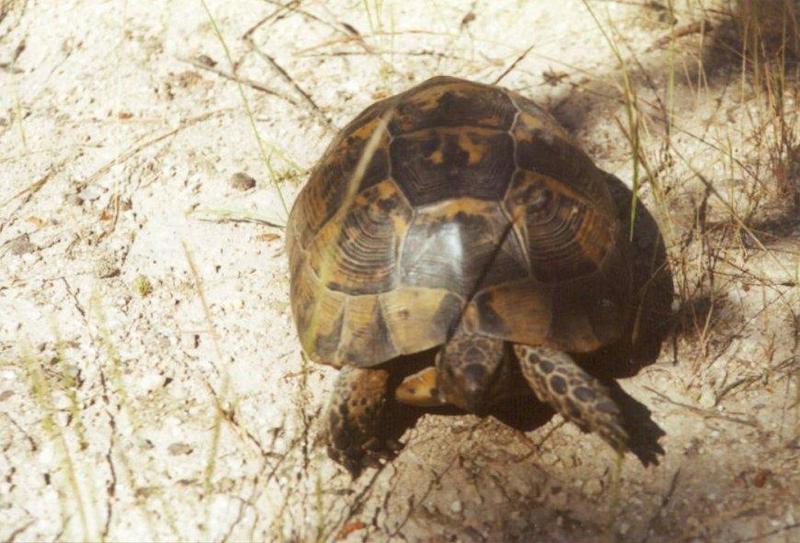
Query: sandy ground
151	383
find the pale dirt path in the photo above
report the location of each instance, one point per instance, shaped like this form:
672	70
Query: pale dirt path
122	418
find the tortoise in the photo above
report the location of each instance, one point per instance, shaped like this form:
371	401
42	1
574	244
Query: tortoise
461	217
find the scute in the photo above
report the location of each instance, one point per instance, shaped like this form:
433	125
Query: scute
366	336
577	315
323	194
438	164
544	148
318	312
565	234
358	252
447	101
454	245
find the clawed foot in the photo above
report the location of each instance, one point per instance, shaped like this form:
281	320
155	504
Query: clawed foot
372	455
580	398
354	418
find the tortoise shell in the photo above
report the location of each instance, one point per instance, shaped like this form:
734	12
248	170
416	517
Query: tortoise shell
454	204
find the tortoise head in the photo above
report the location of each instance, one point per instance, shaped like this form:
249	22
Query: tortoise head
467	369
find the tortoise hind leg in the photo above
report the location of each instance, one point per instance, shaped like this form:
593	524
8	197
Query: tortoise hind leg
580	398
354	415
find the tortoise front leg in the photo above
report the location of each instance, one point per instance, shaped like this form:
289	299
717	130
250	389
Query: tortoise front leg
354	415
580	398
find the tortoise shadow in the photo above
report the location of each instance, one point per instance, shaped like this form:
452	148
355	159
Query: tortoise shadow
527	413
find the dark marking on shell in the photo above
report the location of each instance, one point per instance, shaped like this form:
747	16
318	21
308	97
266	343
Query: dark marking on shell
477	164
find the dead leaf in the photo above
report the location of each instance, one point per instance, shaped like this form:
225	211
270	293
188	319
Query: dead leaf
761	477
36	221
349	528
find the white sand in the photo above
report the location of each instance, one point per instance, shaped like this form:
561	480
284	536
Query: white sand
123	418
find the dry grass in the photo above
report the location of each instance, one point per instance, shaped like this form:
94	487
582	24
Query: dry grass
709	113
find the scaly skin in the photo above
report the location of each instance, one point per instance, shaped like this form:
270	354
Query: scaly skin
553	376
580	398
354	415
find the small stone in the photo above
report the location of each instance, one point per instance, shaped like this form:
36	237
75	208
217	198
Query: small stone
456	507
22	245
91	193
761	476
179	448
242	181
106	268
206	60
74	200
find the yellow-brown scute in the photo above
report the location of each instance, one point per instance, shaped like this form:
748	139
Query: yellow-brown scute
449	102
366	336
327	188
360	245
315	204
564	234
565	316
365	330
567	245
317	313
596	235
435	164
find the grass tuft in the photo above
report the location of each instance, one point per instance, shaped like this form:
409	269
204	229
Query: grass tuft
42	393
